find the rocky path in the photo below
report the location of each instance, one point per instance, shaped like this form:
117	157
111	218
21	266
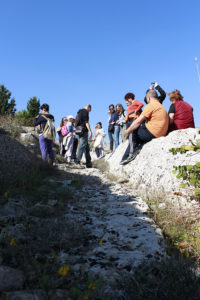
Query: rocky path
87	225
121	233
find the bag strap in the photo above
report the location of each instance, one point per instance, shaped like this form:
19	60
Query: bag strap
46	122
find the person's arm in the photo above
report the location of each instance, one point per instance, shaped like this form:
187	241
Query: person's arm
58	129
161	91
140	105
171	118
38	121
171	113
136	123
88	127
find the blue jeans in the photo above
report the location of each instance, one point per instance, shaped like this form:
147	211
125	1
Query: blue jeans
110	135
84	148
46	148
139	137
116	135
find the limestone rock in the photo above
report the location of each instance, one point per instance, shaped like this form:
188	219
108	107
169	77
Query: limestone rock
152	168
10	278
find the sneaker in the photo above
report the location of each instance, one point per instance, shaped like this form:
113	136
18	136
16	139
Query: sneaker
54	164
89	165
123	162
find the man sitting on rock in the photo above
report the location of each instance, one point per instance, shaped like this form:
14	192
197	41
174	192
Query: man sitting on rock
152	123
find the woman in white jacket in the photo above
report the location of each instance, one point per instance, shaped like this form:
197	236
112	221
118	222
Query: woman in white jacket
99	140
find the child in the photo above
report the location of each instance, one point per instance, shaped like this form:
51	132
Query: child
99	140
68	140
133	111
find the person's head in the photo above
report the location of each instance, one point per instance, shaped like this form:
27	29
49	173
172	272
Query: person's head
151	95
70	118
119	108
129	98
99	125
63	121
44	108
88	107
111	109
175	96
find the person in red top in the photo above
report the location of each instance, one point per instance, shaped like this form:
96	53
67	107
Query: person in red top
180	112
134	109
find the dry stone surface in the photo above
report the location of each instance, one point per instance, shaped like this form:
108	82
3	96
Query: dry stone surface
152	168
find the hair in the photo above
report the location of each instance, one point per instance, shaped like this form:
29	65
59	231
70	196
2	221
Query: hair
99	124
62	121
120	105
45	106
175	95
152	94
129	95
88	106
112	106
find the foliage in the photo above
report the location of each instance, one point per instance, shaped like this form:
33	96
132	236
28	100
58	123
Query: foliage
22	114
184	148
190	173
9	125
170	278
7	105
33	106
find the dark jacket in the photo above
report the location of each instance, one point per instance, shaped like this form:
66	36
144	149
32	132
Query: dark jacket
82	118
162	94
42	121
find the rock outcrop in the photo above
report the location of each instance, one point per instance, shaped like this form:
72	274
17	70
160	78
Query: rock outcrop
152	168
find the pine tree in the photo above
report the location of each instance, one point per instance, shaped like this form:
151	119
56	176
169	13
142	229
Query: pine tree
33	106
6	107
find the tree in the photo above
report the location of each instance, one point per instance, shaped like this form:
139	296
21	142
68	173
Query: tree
6	107
33	106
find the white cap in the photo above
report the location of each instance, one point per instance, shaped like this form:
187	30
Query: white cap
70	117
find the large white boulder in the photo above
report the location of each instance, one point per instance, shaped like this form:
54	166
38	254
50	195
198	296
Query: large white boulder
152	168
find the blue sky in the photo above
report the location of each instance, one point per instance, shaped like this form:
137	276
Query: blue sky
69	53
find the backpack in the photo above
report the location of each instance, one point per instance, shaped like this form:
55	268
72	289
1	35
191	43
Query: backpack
49	131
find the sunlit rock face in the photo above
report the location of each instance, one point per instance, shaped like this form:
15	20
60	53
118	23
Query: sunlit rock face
152	168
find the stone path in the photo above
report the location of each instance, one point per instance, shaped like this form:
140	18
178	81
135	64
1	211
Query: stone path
122	234
102	231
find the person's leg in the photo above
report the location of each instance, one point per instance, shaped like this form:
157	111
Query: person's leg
87	154
126	153
43	147
144	134
84	148
50	150
122	132
116	136
110	135
75	145
97	152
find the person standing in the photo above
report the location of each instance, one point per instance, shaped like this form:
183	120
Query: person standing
82	119
111	125
46	145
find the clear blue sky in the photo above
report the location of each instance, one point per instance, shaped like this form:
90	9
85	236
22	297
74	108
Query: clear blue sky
69	53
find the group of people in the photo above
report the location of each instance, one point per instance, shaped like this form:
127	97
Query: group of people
140	126
137	125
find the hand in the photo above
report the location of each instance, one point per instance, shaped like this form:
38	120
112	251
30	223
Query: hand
37	116
151	87
155	84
